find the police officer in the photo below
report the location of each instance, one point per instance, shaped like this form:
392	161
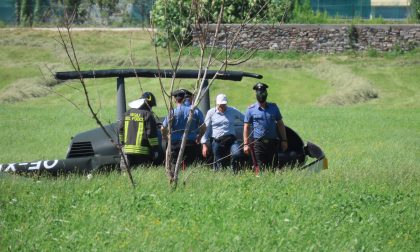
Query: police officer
138	132
268	129
188	99
179	118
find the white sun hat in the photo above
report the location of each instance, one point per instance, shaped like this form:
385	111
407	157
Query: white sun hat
221	99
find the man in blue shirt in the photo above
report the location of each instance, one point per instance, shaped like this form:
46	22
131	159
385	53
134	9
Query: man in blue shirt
220	127
179	118
267	129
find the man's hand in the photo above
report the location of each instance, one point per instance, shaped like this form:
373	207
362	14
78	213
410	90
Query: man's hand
205	150
247	150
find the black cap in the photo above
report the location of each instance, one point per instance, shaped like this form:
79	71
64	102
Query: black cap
260	86
187	93
180	93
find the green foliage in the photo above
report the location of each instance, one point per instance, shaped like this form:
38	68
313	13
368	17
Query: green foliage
29	12
280	11
174	18
26	12
18	8
372	52
415	10
106	7
303	13
353	36
40	11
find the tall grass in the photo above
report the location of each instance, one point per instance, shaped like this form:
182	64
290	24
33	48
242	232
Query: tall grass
367	200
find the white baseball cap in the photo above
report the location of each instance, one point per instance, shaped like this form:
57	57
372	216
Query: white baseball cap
221	99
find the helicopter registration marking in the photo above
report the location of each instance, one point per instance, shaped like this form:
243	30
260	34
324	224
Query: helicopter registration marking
34	165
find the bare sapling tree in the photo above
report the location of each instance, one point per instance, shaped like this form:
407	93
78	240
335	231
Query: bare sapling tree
211	56
67	42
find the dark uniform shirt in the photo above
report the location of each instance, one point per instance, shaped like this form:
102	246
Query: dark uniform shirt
138	132
263	120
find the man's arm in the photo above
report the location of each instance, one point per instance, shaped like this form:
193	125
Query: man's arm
205	140
246	138
282	131
151	133
164	129
164	132
202	130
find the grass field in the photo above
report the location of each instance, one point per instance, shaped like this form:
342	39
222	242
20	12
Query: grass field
368	199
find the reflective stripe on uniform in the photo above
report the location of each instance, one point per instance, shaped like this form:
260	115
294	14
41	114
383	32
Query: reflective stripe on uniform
140	131
132	149
126	123
153	141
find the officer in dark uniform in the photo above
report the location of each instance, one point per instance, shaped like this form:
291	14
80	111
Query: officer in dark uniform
138	132
268	129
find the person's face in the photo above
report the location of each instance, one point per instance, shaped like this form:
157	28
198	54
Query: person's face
221	107
261	95
179	98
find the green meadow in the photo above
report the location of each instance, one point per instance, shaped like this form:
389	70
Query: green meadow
363	109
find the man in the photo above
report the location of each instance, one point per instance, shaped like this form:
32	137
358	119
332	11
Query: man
138	132
179	117
266	121
220	121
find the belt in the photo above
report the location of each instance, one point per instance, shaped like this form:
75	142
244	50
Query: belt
224	138
267	140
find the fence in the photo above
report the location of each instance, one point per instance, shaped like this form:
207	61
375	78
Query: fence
343	8
126	12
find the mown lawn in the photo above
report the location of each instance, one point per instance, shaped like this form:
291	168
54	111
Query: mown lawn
368	199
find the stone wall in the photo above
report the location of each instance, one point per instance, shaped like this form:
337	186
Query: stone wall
316	38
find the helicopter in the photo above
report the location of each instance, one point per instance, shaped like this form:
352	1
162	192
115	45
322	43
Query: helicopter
93	150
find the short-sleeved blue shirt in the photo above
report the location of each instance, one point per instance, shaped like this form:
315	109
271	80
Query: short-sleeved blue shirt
179	121
263	121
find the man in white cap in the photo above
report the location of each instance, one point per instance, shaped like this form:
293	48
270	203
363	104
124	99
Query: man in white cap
220	128
138	132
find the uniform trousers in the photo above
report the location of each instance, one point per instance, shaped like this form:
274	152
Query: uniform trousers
266	152
191	152
134	160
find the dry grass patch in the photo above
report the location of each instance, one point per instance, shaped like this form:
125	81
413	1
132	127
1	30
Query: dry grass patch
348	87
26	88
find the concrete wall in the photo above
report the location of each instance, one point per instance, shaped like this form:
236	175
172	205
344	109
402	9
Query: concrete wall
317	38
